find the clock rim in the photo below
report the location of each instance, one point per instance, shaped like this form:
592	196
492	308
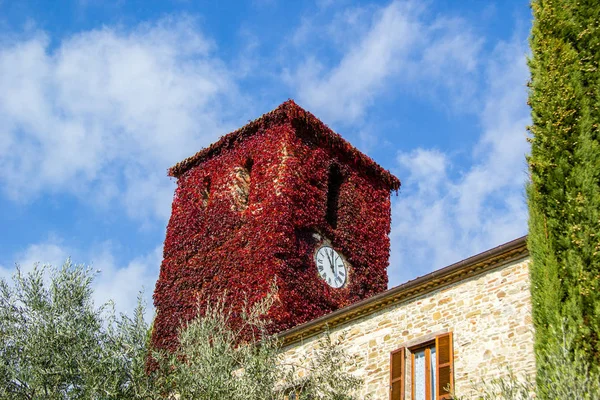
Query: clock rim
339	254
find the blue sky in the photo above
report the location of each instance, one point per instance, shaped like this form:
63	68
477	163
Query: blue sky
98	98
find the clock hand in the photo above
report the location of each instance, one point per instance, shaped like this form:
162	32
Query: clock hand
330	257
335	265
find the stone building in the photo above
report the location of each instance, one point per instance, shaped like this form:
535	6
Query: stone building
286	199
454	328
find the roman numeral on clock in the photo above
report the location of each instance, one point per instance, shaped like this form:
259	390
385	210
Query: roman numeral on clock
330	266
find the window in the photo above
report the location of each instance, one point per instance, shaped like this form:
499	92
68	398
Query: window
423	372
333	195
205	192
431	375
241	185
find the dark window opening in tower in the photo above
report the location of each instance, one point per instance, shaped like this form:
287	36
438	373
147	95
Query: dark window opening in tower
333	195
241	185
248	165
205	192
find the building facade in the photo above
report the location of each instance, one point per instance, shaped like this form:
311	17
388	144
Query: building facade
281	200
447	331
286	200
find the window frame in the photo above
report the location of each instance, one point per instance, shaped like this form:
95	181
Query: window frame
443	344
427	346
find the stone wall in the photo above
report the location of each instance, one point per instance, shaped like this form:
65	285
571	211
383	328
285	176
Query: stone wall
488	314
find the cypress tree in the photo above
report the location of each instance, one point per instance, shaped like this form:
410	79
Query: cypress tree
564	191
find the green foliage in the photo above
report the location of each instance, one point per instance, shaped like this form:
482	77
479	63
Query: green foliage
211	362
564	193
55	344
570	375
507	387
326	378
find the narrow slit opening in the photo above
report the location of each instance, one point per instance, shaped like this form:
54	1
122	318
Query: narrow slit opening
248	165
333	195
205	193
241	186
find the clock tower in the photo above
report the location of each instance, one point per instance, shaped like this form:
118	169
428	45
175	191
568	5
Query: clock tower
283	199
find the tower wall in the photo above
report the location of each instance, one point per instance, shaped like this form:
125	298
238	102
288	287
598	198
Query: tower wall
361	233
217	248
253	213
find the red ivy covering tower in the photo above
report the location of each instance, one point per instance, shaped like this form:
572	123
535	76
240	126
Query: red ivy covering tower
284	198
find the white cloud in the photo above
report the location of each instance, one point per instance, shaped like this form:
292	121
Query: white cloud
427	167
104	113
345	90
49	252
120	282
442	215
401	46
448	62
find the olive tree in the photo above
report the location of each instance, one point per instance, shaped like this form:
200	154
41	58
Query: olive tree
55	343
216	361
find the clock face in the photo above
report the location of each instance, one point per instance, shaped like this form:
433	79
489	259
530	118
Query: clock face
331	267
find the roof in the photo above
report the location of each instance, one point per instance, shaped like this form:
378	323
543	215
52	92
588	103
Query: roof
289	111
462	270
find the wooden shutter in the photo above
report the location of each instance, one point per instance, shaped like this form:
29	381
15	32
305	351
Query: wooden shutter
397	364
444	368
